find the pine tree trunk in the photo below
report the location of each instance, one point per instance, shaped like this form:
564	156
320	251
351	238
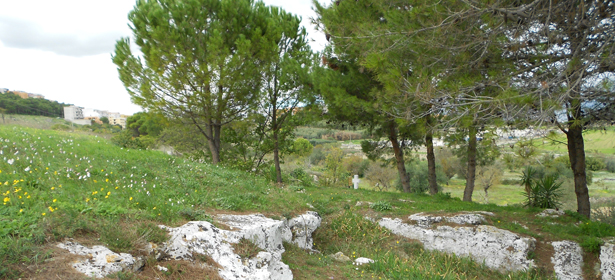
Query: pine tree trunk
214	142
471	176
431	159
276	157
399	158
576	154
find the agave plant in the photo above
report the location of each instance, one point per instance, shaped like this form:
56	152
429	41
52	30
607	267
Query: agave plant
545	193
527	179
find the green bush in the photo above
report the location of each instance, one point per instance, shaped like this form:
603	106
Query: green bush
610	165
417	176
300	175
315	142
544	193
61	127
381	206
125	140
317	155
595	164
592	244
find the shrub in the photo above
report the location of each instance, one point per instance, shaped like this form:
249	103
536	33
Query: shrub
610	165
303	177
317	155
417	175
126	140
381	206
382	176
544	193
595	164
356	165
62	127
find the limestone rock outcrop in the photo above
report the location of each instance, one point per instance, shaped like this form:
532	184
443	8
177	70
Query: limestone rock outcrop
201	237
497	248
100	261
567	260
607	260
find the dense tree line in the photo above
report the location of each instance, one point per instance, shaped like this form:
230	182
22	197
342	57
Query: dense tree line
14	104
229	75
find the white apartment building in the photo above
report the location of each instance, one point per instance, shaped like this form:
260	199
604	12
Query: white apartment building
72	113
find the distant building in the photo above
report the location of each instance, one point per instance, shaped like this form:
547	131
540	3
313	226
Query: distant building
3	90
35	95
95	119
21	94
121	121
72	113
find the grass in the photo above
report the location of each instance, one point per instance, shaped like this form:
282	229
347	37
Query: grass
57	184
597	141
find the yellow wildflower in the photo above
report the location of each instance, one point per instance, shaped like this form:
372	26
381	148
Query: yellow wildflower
20	210
53	188
54	200
130	198
108	193
6	199
107	180
87	200
43	213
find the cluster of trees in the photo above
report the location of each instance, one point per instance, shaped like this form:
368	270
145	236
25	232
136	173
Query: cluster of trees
13	104
233	72
468	65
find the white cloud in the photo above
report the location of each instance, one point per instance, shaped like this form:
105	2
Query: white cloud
62	48
22	34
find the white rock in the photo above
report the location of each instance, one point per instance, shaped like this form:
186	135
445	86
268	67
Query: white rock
204	238
362	261
551	213
466	219
497	248
567	260
607	261
162	268
424	221
100	261
268	234
302	228
340	257
361	203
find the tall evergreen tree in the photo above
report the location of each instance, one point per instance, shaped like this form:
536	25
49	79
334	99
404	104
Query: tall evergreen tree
286	81
200	62
565	54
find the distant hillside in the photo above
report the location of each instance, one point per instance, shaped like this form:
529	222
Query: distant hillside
13	104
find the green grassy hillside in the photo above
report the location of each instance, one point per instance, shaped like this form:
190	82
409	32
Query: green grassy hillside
57	184
597	141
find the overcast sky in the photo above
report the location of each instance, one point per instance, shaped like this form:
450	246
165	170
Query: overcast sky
62	48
